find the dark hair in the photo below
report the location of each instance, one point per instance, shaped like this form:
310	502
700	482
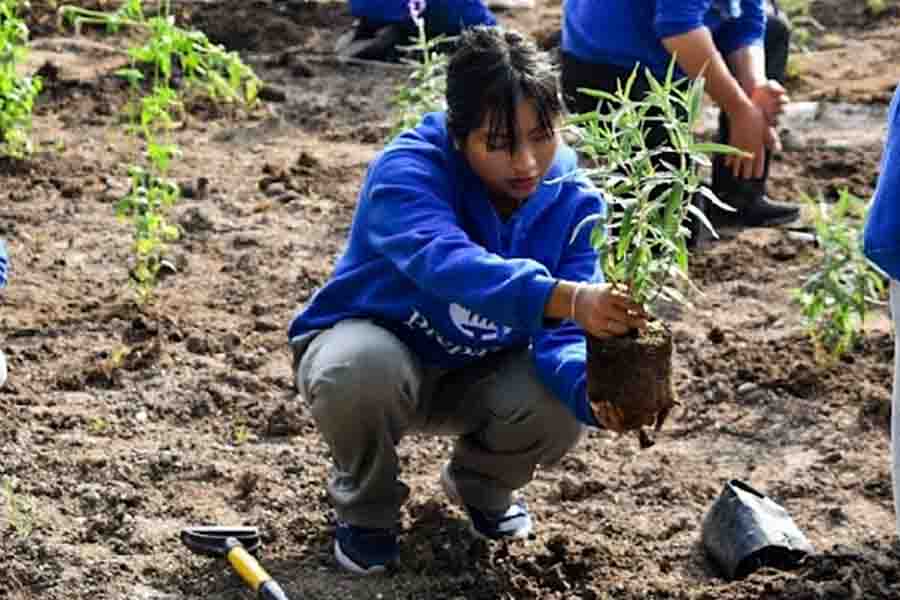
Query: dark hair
491	70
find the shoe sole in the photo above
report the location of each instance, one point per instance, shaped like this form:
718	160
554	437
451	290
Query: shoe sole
453	496
732	224
346	562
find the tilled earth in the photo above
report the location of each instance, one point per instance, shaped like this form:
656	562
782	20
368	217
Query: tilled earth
122	425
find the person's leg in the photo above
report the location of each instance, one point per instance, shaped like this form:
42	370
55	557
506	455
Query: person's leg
748	196
508	422
895	403
362	384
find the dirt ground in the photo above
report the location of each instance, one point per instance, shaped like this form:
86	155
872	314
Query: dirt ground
120	426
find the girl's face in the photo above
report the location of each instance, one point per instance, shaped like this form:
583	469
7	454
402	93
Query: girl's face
508	171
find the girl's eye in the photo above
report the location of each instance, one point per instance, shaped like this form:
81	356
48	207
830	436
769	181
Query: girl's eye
498	145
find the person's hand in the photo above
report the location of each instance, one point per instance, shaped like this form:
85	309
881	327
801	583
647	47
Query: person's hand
771	98
605	311
750	131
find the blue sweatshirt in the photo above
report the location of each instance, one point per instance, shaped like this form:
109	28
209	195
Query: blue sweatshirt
881	238
429	259
624	33
442	16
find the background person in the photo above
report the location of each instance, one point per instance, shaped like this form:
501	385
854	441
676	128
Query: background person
460	304
881	243
383	25
603	41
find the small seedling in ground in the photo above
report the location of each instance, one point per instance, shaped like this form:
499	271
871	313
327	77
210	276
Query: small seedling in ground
17	92
18	511
837	296
426	86
200	66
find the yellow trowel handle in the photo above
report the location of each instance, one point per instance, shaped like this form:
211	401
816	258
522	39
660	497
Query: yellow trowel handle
251	572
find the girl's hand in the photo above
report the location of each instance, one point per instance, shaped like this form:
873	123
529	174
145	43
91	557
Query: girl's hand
605	311
771	98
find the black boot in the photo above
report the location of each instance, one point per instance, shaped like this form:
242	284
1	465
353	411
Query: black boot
753	208
373	41
756	210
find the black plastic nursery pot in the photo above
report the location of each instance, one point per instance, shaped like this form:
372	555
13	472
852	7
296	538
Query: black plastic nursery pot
745	530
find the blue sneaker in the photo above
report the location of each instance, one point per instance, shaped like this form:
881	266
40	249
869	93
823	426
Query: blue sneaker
513	523
365	551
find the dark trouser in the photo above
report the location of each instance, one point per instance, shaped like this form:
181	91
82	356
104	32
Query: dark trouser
738	192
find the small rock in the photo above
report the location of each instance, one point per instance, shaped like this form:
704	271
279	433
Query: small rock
288	197
300	68
264	325
197	344
747	388
231	341
91	498
275	189
270	93
195	220
838	515
141	416
245	240
200	407
197	191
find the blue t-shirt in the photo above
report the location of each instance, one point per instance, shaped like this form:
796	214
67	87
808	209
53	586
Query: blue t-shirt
625	33
429	259
881	239
442	16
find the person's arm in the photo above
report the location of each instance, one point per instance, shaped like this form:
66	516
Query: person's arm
741	41
881	243
559	352
416	229
697	55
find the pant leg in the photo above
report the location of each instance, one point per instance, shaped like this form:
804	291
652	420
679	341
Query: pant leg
895	403
508	422
363	385
734	190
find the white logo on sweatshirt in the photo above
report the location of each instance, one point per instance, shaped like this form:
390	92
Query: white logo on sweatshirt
474	325
418	322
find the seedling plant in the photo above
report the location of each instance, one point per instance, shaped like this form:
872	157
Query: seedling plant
642	238
836	297
168	52
17	92
425	89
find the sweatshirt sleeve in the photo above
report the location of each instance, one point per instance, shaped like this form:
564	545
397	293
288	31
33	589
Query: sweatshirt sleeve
418	231
675	17
747	30
560	353
881	242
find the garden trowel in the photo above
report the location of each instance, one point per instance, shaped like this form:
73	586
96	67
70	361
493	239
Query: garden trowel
236	545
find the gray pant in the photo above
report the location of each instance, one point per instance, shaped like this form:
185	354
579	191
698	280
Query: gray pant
367	390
